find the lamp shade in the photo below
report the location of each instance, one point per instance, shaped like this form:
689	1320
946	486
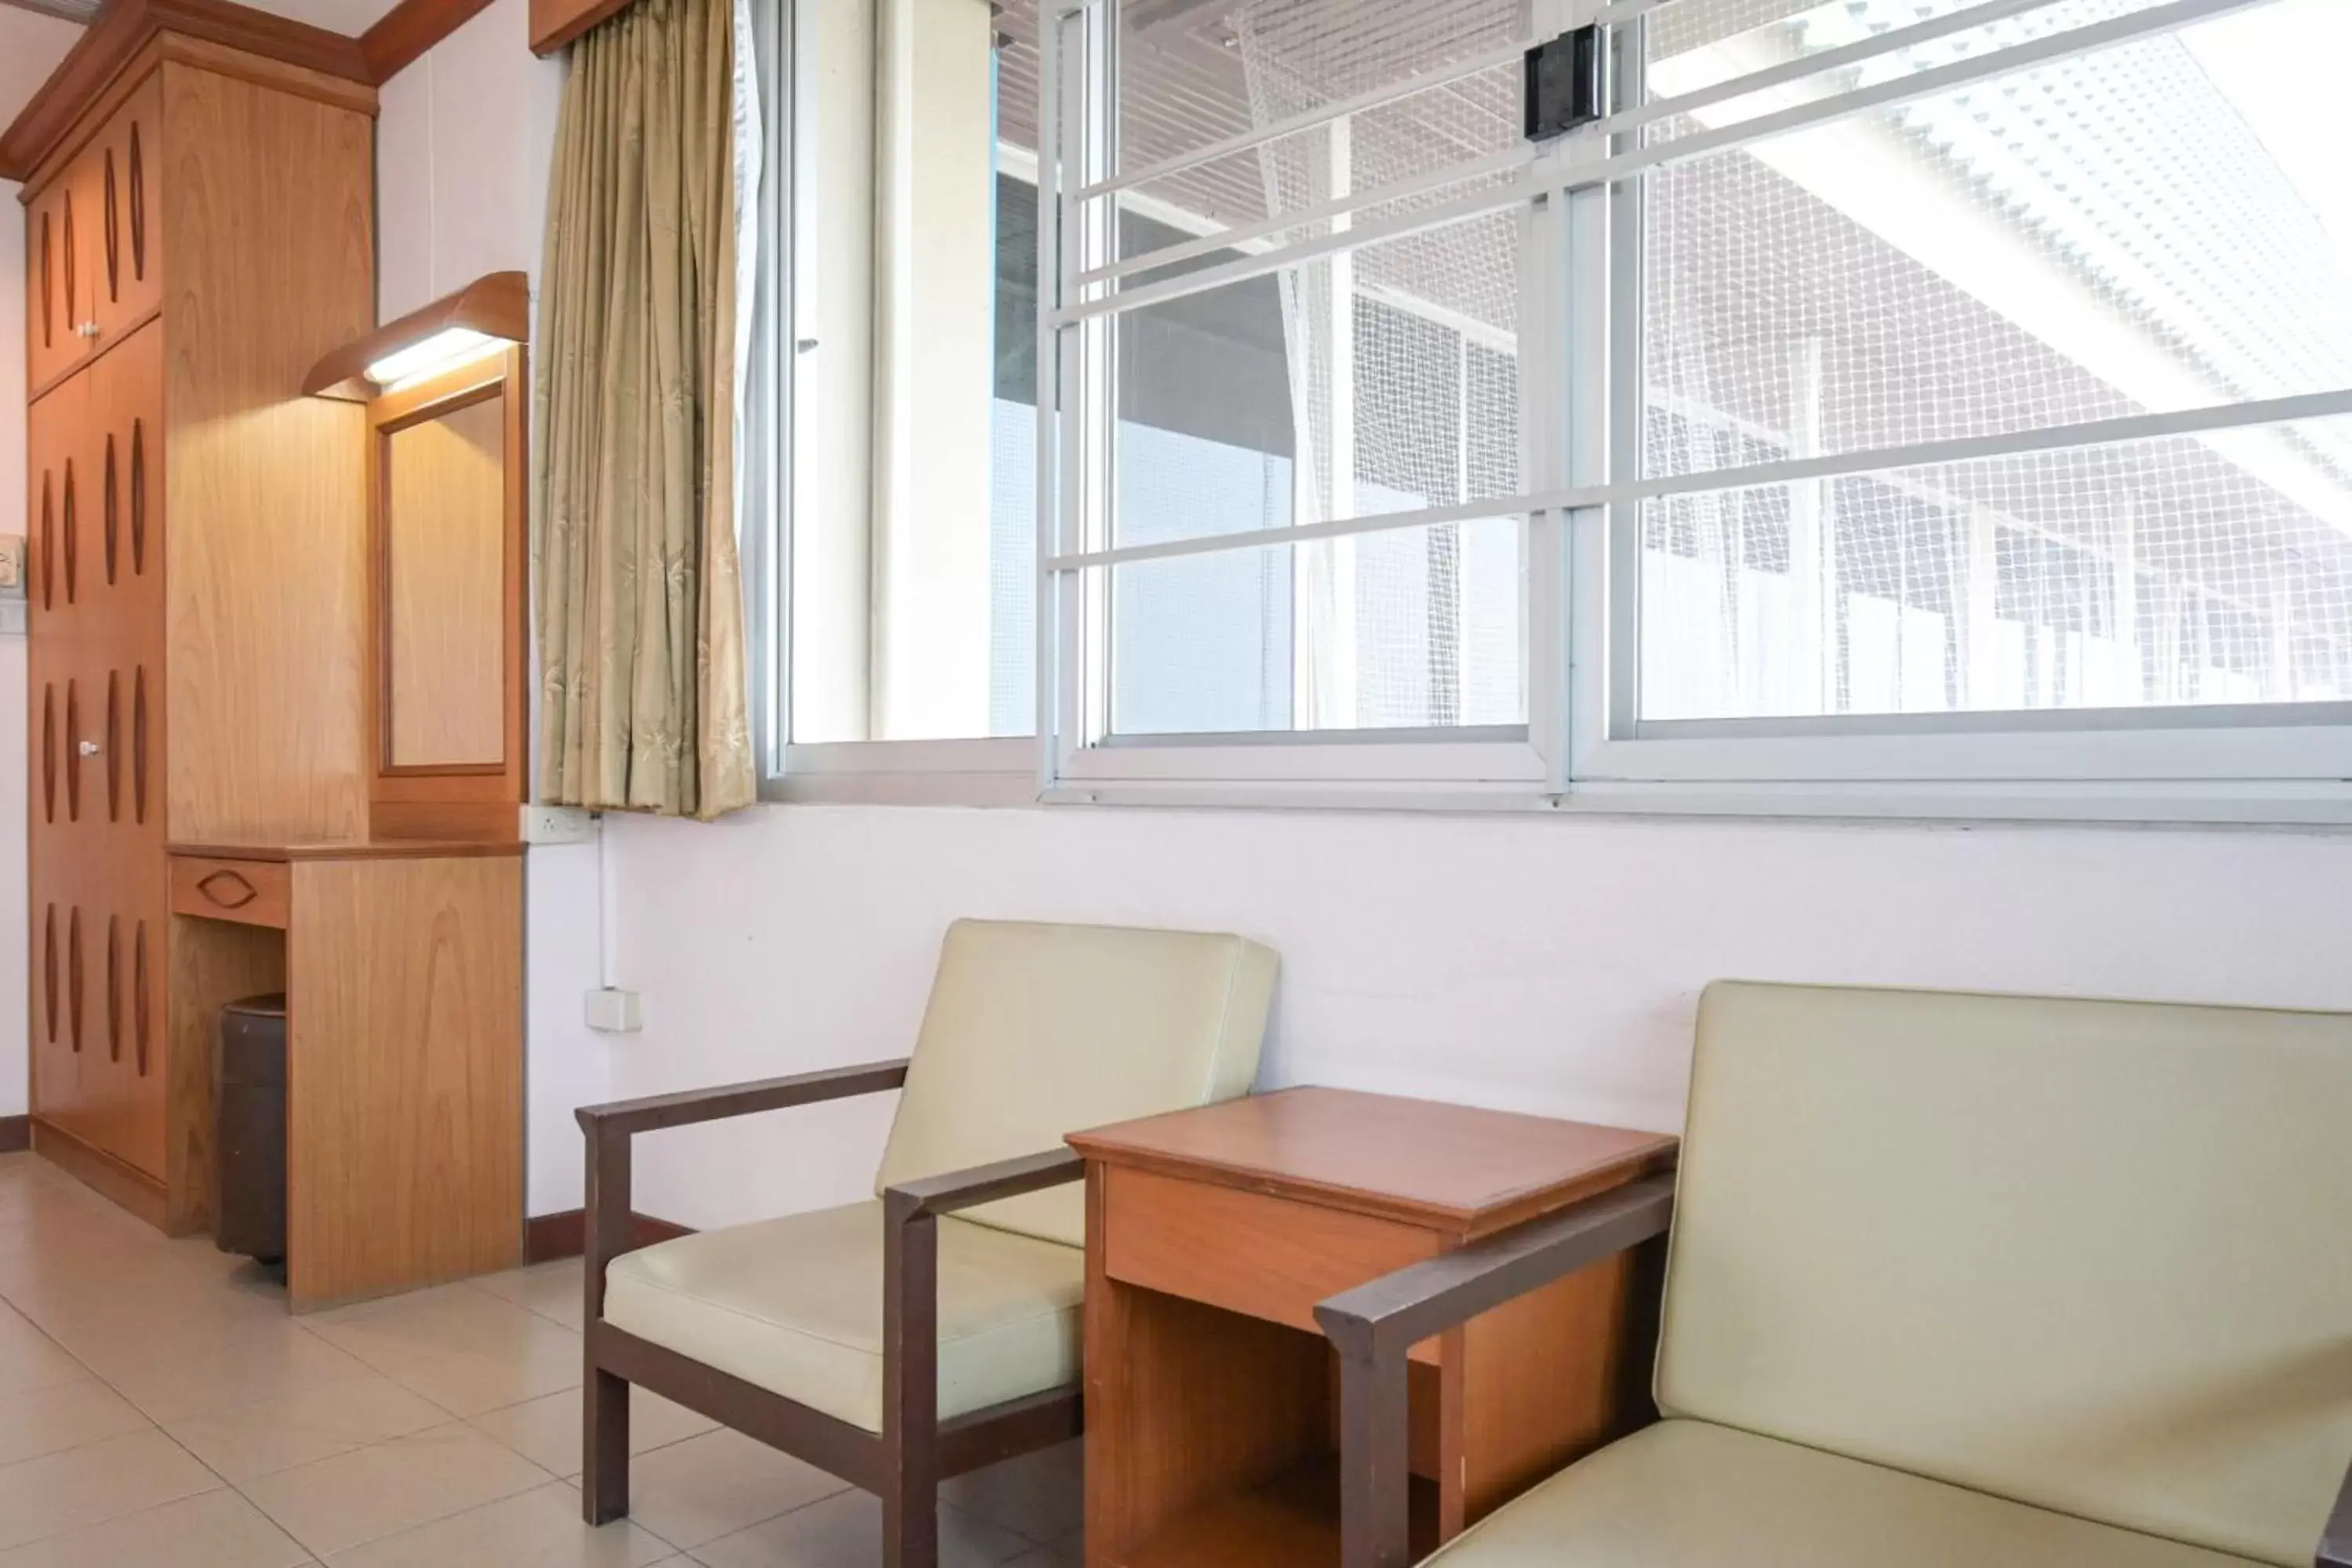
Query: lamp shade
480	319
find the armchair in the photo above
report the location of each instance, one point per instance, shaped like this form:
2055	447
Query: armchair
1954	1280
934	1330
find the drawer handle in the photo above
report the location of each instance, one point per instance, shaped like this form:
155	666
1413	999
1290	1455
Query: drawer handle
113	746
139	996
138	208
113	988
139	745
113	241
111	493
73	976
227	890
49	971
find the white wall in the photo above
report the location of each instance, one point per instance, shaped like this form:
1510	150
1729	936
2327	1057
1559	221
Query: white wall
1550	967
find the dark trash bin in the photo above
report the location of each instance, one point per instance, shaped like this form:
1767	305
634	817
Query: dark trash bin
251	1074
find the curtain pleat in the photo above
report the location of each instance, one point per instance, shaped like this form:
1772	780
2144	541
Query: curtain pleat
640	612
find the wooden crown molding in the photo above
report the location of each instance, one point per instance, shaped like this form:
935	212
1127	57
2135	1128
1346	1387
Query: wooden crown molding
403	35
555	23
125	28
497	304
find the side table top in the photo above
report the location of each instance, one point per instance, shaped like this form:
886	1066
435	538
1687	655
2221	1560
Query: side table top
1453	1168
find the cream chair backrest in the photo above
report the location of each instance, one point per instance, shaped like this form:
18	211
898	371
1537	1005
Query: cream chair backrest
2091	1256
1034	1031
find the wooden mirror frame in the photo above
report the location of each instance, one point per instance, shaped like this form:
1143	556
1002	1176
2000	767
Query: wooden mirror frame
452	800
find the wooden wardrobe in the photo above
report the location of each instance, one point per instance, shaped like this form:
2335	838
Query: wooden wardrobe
200	230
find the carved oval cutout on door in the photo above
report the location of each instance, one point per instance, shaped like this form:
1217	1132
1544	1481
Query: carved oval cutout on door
227	890
139	745
48	541
73	532
113	507
138	208
114	241
139	497
113	988
48	286
73	977
139	996
113	746
70	291
73	752
48	750
49	971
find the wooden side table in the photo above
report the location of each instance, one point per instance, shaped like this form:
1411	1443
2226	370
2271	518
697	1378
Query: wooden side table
1212	1397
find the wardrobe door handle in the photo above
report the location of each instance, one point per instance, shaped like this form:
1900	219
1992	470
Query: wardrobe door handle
49	539
111	508
49	971
73	976
48	750
113	988
139	497
113	244
139	745
138	208
113	746
73	533
73	752
139	996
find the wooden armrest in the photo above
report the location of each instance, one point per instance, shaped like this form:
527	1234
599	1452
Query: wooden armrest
1374	1325
2336	1546
1401	1310
983	1183
651	1114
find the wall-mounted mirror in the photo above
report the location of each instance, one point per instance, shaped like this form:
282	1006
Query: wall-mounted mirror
447	546
444	597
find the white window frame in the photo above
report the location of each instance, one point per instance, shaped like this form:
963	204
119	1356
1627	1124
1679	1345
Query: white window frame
1585	748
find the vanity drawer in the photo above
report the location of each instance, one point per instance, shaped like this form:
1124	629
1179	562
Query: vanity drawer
250	892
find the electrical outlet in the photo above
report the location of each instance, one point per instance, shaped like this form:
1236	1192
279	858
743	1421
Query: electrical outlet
12	565
611	1011
557	825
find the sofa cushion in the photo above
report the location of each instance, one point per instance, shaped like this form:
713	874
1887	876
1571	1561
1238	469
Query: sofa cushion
2086	1255
1684	1494
1034	1031
795	1305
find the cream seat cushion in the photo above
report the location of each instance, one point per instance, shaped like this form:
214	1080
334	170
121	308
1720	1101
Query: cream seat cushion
795	1305
1684	1494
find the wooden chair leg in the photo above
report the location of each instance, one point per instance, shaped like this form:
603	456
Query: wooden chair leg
911	1518
604	1441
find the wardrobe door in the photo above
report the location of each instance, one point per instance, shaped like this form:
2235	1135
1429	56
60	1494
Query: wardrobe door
126	158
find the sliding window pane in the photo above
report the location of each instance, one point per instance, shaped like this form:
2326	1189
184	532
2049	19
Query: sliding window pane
1412	628
2152	573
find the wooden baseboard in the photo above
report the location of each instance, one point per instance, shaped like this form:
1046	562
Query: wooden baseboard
130	1189
548	1237
15	1134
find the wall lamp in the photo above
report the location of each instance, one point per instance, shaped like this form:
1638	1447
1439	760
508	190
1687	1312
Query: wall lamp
486	317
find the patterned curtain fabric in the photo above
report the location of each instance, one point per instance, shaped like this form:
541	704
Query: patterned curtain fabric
640	611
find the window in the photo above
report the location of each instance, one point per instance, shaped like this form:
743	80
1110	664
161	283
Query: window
1914	396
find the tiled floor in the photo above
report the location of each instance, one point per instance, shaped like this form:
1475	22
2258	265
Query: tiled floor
158	1406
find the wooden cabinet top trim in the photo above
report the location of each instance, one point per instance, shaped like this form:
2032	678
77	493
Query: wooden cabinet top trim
1453	1168
131	37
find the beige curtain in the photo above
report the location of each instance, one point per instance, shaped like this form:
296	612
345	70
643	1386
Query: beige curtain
640	610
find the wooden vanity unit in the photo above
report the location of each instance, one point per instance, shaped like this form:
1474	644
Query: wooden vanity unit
199	195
